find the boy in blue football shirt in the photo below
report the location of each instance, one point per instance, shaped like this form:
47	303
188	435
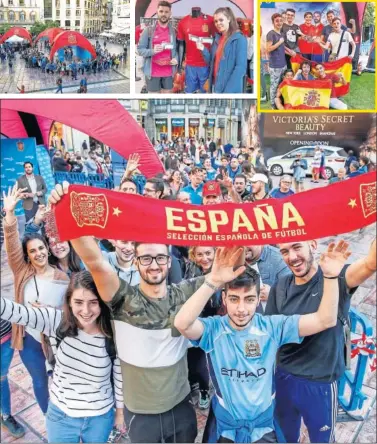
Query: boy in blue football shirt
241	346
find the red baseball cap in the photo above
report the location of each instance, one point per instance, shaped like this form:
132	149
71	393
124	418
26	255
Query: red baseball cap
211	188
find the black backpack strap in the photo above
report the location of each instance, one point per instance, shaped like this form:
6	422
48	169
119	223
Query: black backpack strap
340	43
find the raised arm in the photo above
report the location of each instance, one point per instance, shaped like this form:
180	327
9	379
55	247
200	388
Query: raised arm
331	263
187	321
105	278
44	319
362	269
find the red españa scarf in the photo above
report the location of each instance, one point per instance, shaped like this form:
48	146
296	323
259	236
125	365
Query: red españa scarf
328	211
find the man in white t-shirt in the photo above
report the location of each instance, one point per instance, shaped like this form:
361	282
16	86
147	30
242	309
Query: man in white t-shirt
339	37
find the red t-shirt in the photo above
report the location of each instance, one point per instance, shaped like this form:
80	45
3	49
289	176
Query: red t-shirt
335	79
312	31
219	54
138	32
202	26
160	61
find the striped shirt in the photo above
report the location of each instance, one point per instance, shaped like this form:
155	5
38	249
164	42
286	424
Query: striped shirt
81	384
5	328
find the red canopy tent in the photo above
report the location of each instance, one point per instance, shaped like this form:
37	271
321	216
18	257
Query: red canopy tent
21	32
50	33
105	120
71	38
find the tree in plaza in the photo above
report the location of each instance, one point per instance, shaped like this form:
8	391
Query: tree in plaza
4	28
370	14
38	27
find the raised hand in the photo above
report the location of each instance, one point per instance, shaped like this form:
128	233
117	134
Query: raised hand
133	162
332	261
226	181
58	192
223	266
11	198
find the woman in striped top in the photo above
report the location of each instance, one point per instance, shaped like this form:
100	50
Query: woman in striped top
81	394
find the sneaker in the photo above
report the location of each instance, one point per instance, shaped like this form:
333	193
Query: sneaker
12	426
204	400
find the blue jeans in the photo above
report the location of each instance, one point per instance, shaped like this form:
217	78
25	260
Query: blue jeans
6	358
35	362
64	428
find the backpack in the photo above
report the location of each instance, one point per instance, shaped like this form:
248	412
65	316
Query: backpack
47	349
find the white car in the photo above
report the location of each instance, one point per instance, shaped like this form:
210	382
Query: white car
335	159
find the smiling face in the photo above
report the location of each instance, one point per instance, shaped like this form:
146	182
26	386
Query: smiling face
154	273
241	304
59	250
317	17
124	249
278	23
299	257
308	19
221	22
37	253
336	25
290	17
306	68
204	257
85	308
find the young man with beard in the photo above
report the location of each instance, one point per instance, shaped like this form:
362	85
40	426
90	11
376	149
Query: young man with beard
307	373
158	46
35	190
240	182
195	188
152	354
241	346
258	188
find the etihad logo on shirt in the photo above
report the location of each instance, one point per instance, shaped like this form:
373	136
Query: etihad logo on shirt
242	376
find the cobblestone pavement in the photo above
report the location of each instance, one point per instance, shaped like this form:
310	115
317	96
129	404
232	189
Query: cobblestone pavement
26	410
36	81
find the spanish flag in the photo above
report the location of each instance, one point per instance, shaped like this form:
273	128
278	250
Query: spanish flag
343	65
306	94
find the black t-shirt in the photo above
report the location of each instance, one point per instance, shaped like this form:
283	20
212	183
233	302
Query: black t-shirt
319	357
290	35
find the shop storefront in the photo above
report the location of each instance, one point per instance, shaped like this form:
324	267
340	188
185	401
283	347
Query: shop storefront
194	125
177	127
161	128
210	128
221	129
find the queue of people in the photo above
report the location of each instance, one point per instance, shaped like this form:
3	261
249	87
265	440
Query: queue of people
138	372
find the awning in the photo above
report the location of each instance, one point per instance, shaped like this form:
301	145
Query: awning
123	31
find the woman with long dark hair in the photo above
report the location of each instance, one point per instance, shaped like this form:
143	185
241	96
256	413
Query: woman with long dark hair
36	283
64	257
82	394
227	57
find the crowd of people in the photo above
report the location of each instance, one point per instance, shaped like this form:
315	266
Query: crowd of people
212	53
127	331
316	42
36	57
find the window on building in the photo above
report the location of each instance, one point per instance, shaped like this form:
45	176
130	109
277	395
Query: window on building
57	4
77	23
68	2
57	13
67	23
78	12
32	16
22	3
22	16
10	3
68	12
77	3
11	16
1	16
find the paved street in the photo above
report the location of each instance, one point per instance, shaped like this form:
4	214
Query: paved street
34	80
26	410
